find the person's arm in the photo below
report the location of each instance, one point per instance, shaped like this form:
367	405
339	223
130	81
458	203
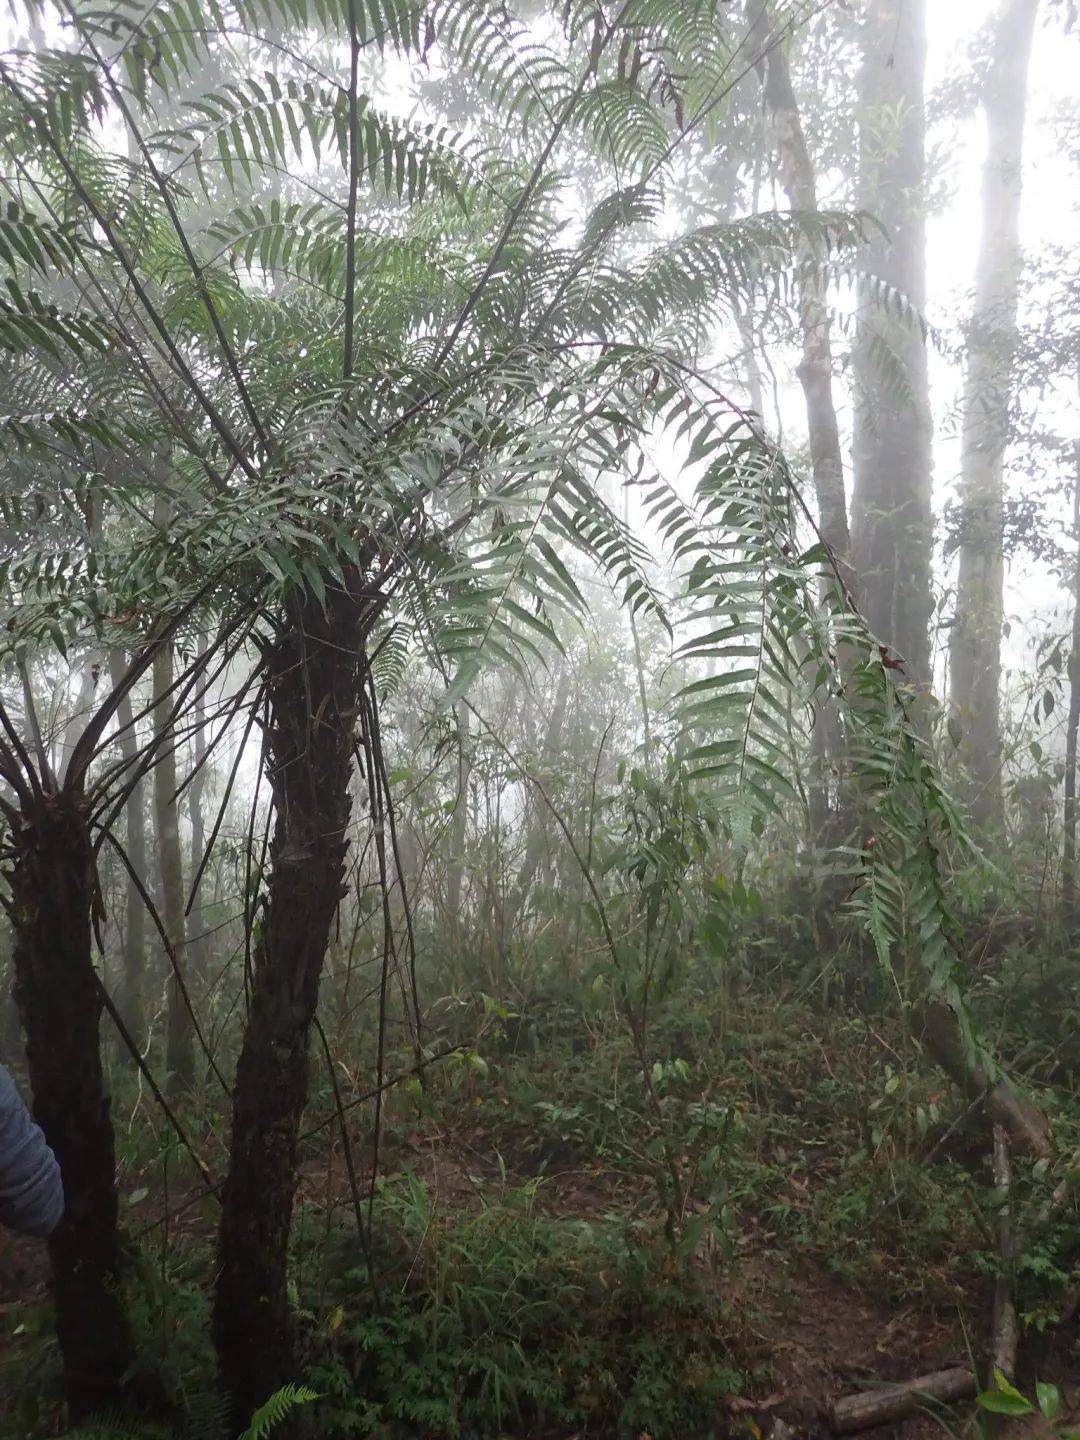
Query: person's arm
31	1191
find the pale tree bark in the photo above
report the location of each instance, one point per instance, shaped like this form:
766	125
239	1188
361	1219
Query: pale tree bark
815	368
131	999
975	647
892	528
815	372
1068	854
179	1041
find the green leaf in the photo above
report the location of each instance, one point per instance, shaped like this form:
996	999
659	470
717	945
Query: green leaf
1004	1399
1049	1398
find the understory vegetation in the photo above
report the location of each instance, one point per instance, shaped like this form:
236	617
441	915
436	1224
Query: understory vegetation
515	1269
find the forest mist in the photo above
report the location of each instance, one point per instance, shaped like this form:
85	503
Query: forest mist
539	698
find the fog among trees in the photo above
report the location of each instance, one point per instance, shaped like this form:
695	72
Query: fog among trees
539	694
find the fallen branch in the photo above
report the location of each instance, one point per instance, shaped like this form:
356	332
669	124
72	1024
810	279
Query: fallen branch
1026	1125
893	1402
1006	1336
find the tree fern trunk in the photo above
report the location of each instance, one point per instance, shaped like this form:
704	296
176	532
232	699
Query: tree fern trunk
52	888
314	671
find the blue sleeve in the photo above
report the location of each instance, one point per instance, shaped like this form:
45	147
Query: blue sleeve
31	1191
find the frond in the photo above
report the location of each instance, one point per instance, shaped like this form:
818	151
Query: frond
28	240
251	124
277	1408
622	124
29	324
524	79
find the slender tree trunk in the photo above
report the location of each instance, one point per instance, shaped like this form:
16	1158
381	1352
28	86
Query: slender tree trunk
455	870
538	832
975	649
315	672
1068	852
80	711
53	889
131	999
180	1040
815	373
198	943
815	369
893	436
639	666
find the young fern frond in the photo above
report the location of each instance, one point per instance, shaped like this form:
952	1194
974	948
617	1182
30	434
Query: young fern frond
277	1408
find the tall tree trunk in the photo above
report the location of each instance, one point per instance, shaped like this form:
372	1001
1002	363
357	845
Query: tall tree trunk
815	369
53	890
131	999
538	831
315	672
815	373
639	666
1068	852
179	1042
198	943
455	869
975	649
893	436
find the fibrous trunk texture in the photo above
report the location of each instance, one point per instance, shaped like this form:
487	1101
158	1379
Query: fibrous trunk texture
315	671
53	889
975	650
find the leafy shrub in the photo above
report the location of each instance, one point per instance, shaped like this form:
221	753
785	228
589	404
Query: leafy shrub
507	1319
